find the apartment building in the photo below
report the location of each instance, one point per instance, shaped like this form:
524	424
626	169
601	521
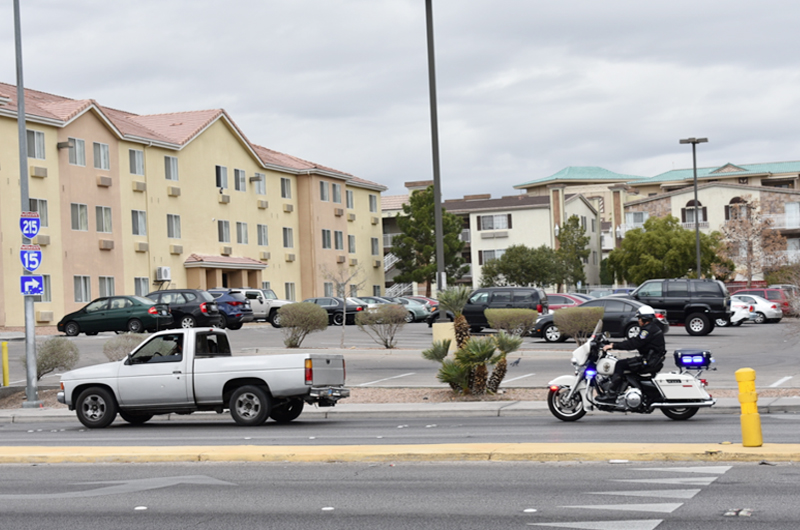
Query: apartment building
133	203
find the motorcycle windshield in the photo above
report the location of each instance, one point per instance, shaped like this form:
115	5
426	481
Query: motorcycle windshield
598	329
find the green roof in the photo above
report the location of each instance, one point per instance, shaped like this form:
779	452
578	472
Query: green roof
726	170
586	174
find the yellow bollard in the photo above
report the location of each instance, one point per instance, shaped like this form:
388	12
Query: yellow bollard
5	364
748	398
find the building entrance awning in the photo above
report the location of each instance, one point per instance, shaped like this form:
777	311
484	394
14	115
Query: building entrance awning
201	261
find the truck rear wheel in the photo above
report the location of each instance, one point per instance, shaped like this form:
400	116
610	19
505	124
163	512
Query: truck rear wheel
698	324
249	406
288	411
96	407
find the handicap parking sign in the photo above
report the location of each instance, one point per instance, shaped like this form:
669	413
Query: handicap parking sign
31	285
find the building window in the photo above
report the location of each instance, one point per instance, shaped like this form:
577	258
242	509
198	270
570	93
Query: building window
583	222
594	257
350	202
687	213
263	235
338	240
376	290
171	168
288	238
173	226
141	286
83	289
40	206
36	144
289	291
328	288
222	177
46	295
487	255
103	218
593	225
286	188
326	238
323	191
106	285
376	251
337	193
224	231
137	161
351	244
373	203
102	158
354	290
261	184
636	218
241	233
265	285
80	217
239	180
139	221
494	222
77	152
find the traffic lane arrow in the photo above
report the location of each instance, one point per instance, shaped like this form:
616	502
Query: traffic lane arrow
123	487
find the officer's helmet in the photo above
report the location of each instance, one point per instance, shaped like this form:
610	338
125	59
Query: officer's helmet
646	313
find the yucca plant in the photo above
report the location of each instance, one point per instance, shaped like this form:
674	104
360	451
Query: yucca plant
475	355
454	300
438	351
506	344
454	374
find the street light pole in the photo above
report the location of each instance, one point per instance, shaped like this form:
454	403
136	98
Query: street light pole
694	142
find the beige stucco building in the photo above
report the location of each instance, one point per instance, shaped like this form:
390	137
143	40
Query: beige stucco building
132	203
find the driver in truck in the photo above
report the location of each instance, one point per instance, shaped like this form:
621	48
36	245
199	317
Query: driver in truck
652	350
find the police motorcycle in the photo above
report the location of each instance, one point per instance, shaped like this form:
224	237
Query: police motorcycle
679	395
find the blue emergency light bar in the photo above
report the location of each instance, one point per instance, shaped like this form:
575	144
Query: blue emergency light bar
693	359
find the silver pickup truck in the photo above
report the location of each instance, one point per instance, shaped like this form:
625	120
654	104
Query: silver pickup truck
184	371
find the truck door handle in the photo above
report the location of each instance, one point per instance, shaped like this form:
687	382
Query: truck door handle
177	372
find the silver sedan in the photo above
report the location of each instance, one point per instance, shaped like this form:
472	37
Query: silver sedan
763	310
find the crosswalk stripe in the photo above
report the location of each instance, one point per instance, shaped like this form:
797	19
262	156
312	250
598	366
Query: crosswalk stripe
693	481
664	494
644	524
663	507
706	470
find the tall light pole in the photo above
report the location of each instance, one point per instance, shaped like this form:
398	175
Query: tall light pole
694	142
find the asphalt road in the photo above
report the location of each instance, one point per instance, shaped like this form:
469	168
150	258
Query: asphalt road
771	349
402	496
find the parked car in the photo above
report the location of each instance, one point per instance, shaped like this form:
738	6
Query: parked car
374	301
497	298
234	307
265	304
599	293
416	311
336	308
117	313
773	295
560	300
189	307
697	304
433	303
792	291
619	319
624	290
736	305
582	296
761	310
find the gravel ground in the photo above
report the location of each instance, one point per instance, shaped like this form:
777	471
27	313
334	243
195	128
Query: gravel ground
415	395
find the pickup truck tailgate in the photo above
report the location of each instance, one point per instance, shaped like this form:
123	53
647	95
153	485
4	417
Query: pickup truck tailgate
327	370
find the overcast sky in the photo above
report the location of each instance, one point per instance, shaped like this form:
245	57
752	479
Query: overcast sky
525	87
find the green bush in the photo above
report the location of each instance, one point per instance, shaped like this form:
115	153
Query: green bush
577	322
518	322
120	346
298	320
56	353
382	323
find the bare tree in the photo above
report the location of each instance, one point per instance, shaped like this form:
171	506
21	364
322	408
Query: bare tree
342	277
749	240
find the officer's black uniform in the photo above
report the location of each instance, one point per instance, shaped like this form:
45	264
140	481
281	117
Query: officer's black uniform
652	349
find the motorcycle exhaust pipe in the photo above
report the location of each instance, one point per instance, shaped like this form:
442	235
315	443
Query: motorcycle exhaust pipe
680	404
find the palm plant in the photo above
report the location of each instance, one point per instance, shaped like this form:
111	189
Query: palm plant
506	344
454	300
475	355
454	374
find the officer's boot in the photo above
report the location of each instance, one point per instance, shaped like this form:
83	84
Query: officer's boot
611	394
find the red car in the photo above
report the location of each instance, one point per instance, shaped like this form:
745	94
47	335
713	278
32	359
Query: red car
773	295
434	304
559	300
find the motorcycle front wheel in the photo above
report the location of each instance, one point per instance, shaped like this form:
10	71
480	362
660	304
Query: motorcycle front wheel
563	409
680	414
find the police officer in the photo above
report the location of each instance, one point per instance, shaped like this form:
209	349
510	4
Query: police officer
651	347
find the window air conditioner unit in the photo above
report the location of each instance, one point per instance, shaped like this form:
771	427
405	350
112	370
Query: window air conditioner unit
288	208
163	274
338	212
341	259
351	217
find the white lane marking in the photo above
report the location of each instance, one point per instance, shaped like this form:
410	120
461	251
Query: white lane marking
515	378
387	379
645	524
707	470
781	381
693	481
662	507
666	494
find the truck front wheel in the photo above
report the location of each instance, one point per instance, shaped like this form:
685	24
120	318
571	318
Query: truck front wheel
96	407
249	406
275	319
288	411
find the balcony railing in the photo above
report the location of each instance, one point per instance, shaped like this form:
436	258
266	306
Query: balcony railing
465	235
387	240
690	225
782	221
388	261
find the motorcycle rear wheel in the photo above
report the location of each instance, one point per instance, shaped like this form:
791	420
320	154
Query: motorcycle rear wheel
680	414
571	410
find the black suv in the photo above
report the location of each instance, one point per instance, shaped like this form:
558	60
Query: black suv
189	307
695	303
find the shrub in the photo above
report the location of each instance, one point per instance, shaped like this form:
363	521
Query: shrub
518	322
120	346
300	319
577	322
382	323
56	353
